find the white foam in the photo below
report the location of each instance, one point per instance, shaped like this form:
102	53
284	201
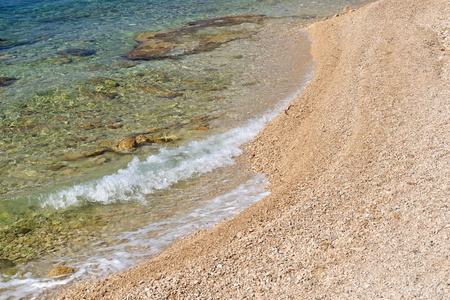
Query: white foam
164	169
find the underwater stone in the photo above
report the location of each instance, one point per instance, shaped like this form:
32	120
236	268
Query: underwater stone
98	95
93	153
77	52
98	160
6	263
5	81
108	144
190	39
107	82
164	139
68	171
85	155
153	88
171	95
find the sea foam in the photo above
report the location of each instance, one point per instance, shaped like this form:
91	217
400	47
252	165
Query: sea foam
161	170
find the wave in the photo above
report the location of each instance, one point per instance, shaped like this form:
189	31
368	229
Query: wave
162	170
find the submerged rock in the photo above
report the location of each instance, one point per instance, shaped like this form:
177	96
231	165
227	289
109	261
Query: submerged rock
77	52
99	95
5	81
6	263
195	37
60	270
142	139
106	82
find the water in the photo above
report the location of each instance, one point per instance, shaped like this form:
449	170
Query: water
67	194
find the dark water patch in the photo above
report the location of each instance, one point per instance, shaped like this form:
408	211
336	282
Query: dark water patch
8	44
64	18
5	81
77	52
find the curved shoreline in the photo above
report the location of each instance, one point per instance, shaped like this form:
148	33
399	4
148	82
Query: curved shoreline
358	166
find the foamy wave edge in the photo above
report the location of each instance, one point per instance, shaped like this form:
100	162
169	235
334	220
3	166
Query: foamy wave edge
162	170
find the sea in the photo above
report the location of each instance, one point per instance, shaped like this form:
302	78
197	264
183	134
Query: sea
107	158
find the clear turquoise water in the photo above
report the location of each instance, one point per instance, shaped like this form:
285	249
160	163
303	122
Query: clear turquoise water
54	207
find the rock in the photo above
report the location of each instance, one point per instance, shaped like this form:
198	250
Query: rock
107	82
60	270
88	126
98	160
126	145
171	95
68	171
191	38
94	153
347	9
142	139
25	230
98	95
152	88
83	156
5	81
124	64
164	139
56	167
106	144
77	52
6	263
115	126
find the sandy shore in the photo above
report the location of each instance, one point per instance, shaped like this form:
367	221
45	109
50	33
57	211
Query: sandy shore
359	166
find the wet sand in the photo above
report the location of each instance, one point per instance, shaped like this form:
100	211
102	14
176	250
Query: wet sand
359	172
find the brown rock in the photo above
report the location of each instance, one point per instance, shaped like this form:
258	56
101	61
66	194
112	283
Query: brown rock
142	139
96	95
126	145
98	160
68	171
190	39
60	270
164	139
115	126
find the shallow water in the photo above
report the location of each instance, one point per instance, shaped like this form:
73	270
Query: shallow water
59	205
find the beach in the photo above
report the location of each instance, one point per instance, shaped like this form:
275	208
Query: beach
359	178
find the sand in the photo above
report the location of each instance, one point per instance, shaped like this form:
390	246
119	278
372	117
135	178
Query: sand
359	166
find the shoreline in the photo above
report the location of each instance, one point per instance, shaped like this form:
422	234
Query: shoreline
358	170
